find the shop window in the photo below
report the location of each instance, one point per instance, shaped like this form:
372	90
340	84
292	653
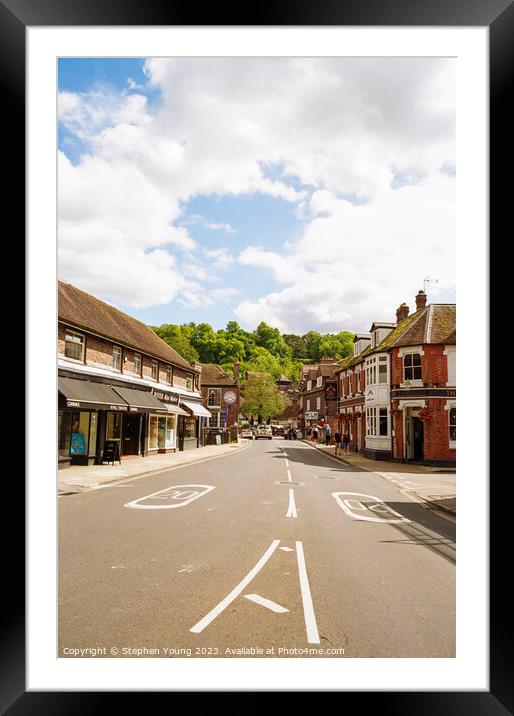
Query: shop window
113	431
171	431
214	397
116	357
137	363
155	370
452	416
153	432
412	366
79	433
74	345
64	433
190	428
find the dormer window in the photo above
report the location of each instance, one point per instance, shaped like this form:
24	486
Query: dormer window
309	384
319	381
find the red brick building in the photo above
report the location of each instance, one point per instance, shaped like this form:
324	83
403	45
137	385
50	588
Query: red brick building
221	397
318	395
351	376
423	385
398	391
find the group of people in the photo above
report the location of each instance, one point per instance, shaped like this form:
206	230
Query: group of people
290	434
324	433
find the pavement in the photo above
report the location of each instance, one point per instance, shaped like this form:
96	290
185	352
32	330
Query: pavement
435	487
272	550
80	478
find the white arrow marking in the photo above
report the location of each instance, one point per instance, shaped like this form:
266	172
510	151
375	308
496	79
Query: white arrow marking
208	618
286	549
291	511
266	603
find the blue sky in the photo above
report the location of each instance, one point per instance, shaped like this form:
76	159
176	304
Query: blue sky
313	194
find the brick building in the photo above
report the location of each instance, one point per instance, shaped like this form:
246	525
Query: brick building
398	391
351	376
318	395
119	383
221	397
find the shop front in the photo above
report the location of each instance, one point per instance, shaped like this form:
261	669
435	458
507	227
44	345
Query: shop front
82	409
163	430
191	426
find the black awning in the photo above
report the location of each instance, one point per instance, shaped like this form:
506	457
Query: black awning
141	400
89	395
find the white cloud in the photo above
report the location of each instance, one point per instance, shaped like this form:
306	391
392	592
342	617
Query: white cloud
348	127
356	264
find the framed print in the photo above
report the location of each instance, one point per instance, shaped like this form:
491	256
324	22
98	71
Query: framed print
221	216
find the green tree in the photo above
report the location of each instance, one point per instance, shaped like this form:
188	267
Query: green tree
271	339
262	398
177	338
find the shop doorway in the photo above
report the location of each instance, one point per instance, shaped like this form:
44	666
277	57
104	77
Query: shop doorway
418	438
414	437
131	434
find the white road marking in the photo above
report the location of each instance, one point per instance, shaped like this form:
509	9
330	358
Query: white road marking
291	510
287	462
289	476
181	497
308	609
286	549
266	603
347	505
219	608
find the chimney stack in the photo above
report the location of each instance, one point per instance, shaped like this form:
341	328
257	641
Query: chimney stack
421	300
402	312
236	372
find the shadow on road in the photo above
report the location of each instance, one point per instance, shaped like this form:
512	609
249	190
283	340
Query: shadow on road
316	458
425	529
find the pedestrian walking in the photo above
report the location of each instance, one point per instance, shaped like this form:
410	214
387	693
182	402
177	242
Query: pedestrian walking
328	435
346	442
337	441
315	434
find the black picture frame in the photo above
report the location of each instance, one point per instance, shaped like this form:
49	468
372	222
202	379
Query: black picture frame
498	16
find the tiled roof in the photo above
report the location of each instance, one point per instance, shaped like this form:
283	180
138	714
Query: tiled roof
212	374
435	323
351	360
81	309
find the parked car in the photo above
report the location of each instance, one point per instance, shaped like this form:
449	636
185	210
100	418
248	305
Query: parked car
263	431
247	433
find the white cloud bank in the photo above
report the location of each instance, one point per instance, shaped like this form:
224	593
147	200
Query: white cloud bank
349	127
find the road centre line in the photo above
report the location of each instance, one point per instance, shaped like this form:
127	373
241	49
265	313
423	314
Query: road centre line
289	476
219	608
308	609
291	510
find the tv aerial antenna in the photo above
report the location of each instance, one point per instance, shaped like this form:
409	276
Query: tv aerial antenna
427	281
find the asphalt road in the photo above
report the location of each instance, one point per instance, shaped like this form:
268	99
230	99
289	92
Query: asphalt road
268	560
